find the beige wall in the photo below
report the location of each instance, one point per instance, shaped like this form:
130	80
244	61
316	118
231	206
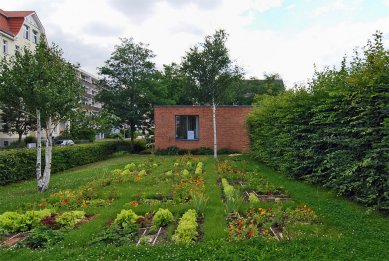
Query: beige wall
20	41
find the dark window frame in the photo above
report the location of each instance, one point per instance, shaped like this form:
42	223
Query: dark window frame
198	127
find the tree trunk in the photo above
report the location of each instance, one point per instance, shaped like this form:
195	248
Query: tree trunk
132	134
214	129
48	156
20	137
38	167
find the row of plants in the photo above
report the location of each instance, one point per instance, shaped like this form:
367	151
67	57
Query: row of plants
131	228
37	228
334	132
276	222
186	231
272	221
86	196
200	151
19	164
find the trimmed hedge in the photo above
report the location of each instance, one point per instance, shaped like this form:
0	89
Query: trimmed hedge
334	133
19	164
200	151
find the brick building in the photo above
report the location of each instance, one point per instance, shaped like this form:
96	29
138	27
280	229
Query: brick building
190	127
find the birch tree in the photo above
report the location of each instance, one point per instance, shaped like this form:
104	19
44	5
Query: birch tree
48	88
212	74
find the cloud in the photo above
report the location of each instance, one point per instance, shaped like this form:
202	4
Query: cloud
77	52
140	10
88	31
102	29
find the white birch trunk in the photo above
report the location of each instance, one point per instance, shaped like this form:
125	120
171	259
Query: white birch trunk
48	156
214	129
38	166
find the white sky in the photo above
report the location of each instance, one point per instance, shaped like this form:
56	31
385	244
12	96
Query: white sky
275	36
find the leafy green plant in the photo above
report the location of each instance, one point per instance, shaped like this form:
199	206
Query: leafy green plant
33	218
42	237
125	218
12	222
117	235
162	218
253	199
70	218
186	231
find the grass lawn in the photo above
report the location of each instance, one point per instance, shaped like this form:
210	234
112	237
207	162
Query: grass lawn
336	229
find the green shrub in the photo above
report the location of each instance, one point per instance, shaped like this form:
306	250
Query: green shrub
169	151
29	139
13	222
253	199
19	164
227	151
162	218
70	218
186	231
126	217
42	237
33	218
334	132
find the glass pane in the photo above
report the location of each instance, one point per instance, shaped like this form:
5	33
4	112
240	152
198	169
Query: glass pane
181	127
192	127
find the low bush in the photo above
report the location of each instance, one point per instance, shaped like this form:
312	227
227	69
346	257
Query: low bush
16	222
71	218
30	139
19	164
162	217
201	151
126	217
186	231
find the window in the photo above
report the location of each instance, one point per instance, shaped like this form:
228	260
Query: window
17	49
6	143
5	46
187	127
35	36
26	34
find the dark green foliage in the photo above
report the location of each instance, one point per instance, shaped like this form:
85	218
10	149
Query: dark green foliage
17	165
42	237
201	151
118	235
29	139
336	132
246	90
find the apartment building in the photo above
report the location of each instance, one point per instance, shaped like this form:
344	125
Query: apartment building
90	105
18	29
89	82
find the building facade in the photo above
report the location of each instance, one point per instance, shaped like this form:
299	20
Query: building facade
18	30
191	127
90	105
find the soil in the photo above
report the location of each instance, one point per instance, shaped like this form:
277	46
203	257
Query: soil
266	197
87	219
12	239
236	182
162	236
277	232
200	222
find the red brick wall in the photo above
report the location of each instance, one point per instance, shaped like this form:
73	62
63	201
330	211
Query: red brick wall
230	125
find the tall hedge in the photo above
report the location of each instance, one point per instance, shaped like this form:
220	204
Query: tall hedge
335	131
19	164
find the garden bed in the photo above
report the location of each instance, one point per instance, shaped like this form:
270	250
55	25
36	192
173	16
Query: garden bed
266	197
